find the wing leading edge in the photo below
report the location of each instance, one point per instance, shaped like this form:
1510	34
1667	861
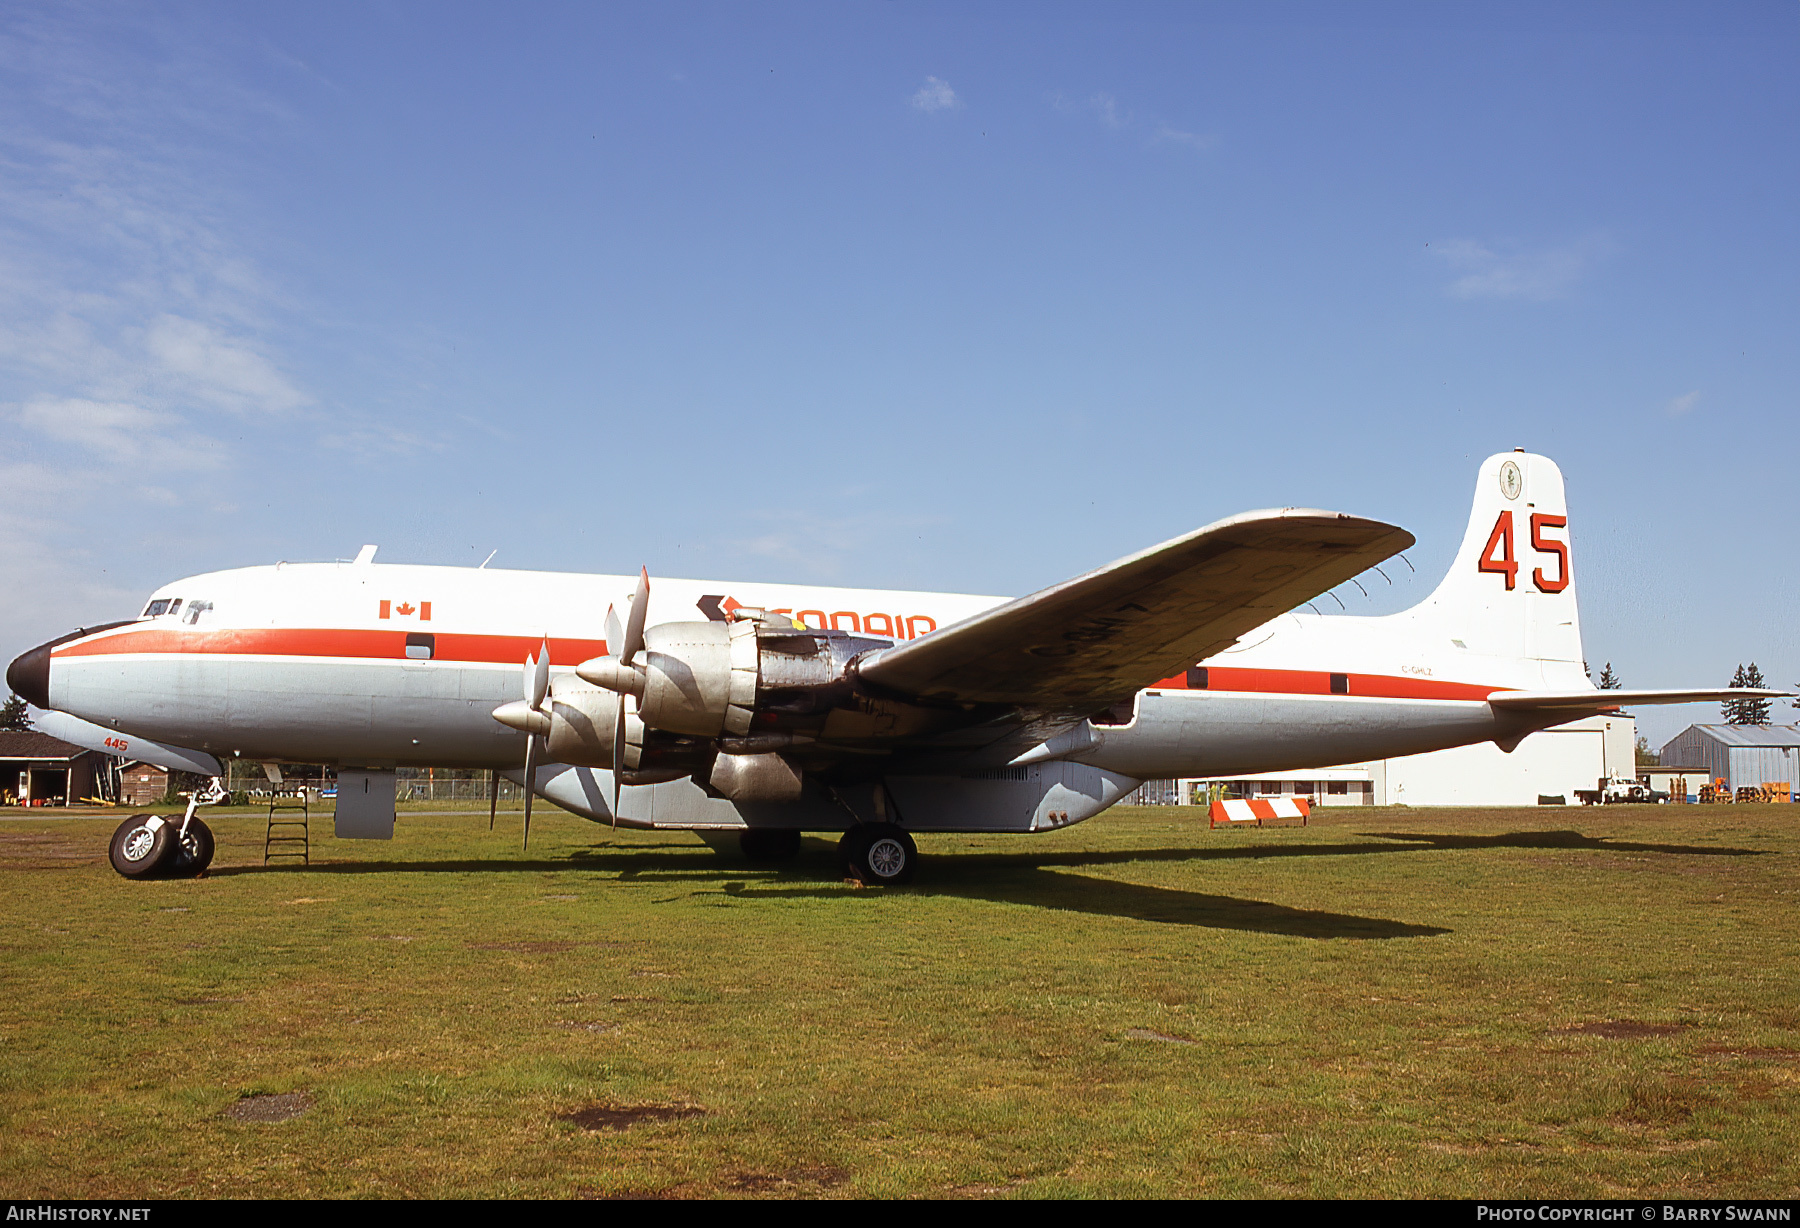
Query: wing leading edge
1101	637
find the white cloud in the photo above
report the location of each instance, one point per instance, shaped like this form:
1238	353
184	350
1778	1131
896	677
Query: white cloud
1115	115
1193	140
936	95
222	371
819	548
118	433
1681	404
1107	108
136	350
1512	271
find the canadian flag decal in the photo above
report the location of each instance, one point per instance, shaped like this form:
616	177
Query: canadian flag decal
406	609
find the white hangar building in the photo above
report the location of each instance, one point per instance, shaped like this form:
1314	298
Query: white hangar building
1545	769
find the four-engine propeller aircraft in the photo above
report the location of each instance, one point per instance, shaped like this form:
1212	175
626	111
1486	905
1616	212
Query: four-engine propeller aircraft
770	710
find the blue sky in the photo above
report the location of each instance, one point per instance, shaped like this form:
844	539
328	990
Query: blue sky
947	296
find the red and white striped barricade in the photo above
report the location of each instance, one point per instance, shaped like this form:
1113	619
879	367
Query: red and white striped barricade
1259	810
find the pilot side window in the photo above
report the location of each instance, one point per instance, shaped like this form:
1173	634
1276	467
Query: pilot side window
195	610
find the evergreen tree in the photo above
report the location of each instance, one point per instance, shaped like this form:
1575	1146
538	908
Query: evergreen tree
1747	711
1609	681
15	716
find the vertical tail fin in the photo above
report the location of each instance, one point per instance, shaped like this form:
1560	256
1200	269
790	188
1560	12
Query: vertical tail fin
1511	591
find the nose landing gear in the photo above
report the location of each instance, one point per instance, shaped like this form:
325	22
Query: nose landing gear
150	846
141	845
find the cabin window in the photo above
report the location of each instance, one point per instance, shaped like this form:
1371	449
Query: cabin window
1196	679
1340	684
420	645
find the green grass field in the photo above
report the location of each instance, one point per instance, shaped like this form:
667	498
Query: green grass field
1387	1003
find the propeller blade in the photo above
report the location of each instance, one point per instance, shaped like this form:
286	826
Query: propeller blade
493	797
540	676
525	680
634	627
618	757
530	767
615	632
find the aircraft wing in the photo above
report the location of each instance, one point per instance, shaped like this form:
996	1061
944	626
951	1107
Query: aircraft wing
1102	637
1599	701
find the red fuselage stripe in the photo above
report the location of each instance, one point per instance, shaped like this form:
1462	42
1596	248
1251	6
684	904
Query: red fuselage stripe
1318	682
334	642
450	647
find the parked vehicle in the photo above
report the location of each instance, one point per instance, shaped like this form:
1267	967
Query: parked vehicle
1613	789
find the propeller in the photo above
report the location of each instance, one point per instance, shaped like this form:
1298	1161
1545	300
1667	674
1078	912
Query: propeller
528	716
628	647
537	685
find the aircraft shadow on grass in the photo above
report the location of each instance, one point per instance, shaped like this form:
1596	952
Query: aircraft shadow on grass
1039	888
1032	878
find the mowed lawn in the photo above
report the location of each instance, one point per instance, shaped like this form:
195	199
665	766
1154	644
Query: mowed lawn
1387	1003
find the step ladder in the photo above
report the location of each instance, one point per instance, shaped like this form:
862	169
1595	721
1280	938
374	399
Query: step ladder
288	834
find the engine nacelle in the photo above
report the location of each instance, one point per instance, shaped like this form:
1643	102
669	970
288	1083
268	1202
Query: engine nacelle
583	719
695	678
714	699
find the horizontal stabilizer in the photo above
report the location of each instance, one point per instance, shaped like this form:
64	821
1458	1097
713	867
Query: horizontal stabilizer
1601	701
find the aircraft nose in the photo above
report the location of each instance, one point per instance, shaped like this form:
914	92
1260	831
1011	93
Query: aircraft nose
29	675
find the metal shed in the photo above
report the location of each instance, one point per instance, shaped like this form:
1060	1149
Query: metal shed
1745	755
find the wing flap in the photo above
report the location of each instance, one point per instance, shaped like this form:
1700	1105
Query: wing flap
1101	637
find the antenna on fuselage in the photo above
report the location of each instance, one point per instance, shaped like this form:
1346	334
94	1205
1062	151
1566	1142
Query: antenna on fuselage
489	558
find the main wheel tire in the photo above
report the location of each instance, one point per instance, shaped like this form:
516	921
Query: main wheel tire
142	845
879	854
193	852
769	843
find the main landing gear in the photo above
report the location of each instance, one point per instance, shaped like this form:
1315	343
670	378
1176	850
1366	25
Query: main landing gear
878	854
150	846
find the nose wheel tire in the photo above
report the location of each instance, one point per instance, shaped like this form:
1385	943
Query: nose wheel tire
879	854
142	845
769	844
193	852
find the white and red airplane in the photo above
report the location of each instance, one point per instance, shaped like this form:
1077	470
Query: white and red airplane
773	709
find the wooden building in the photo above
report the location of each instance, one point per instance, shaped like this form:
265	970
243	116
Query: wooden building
39	770
142	784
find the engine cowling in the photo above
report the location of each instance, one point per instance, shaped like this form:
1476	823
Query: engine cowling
583	718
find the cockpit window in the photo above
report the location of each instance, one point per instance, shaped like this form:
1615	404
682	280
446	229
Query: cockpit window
159	607
195	610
